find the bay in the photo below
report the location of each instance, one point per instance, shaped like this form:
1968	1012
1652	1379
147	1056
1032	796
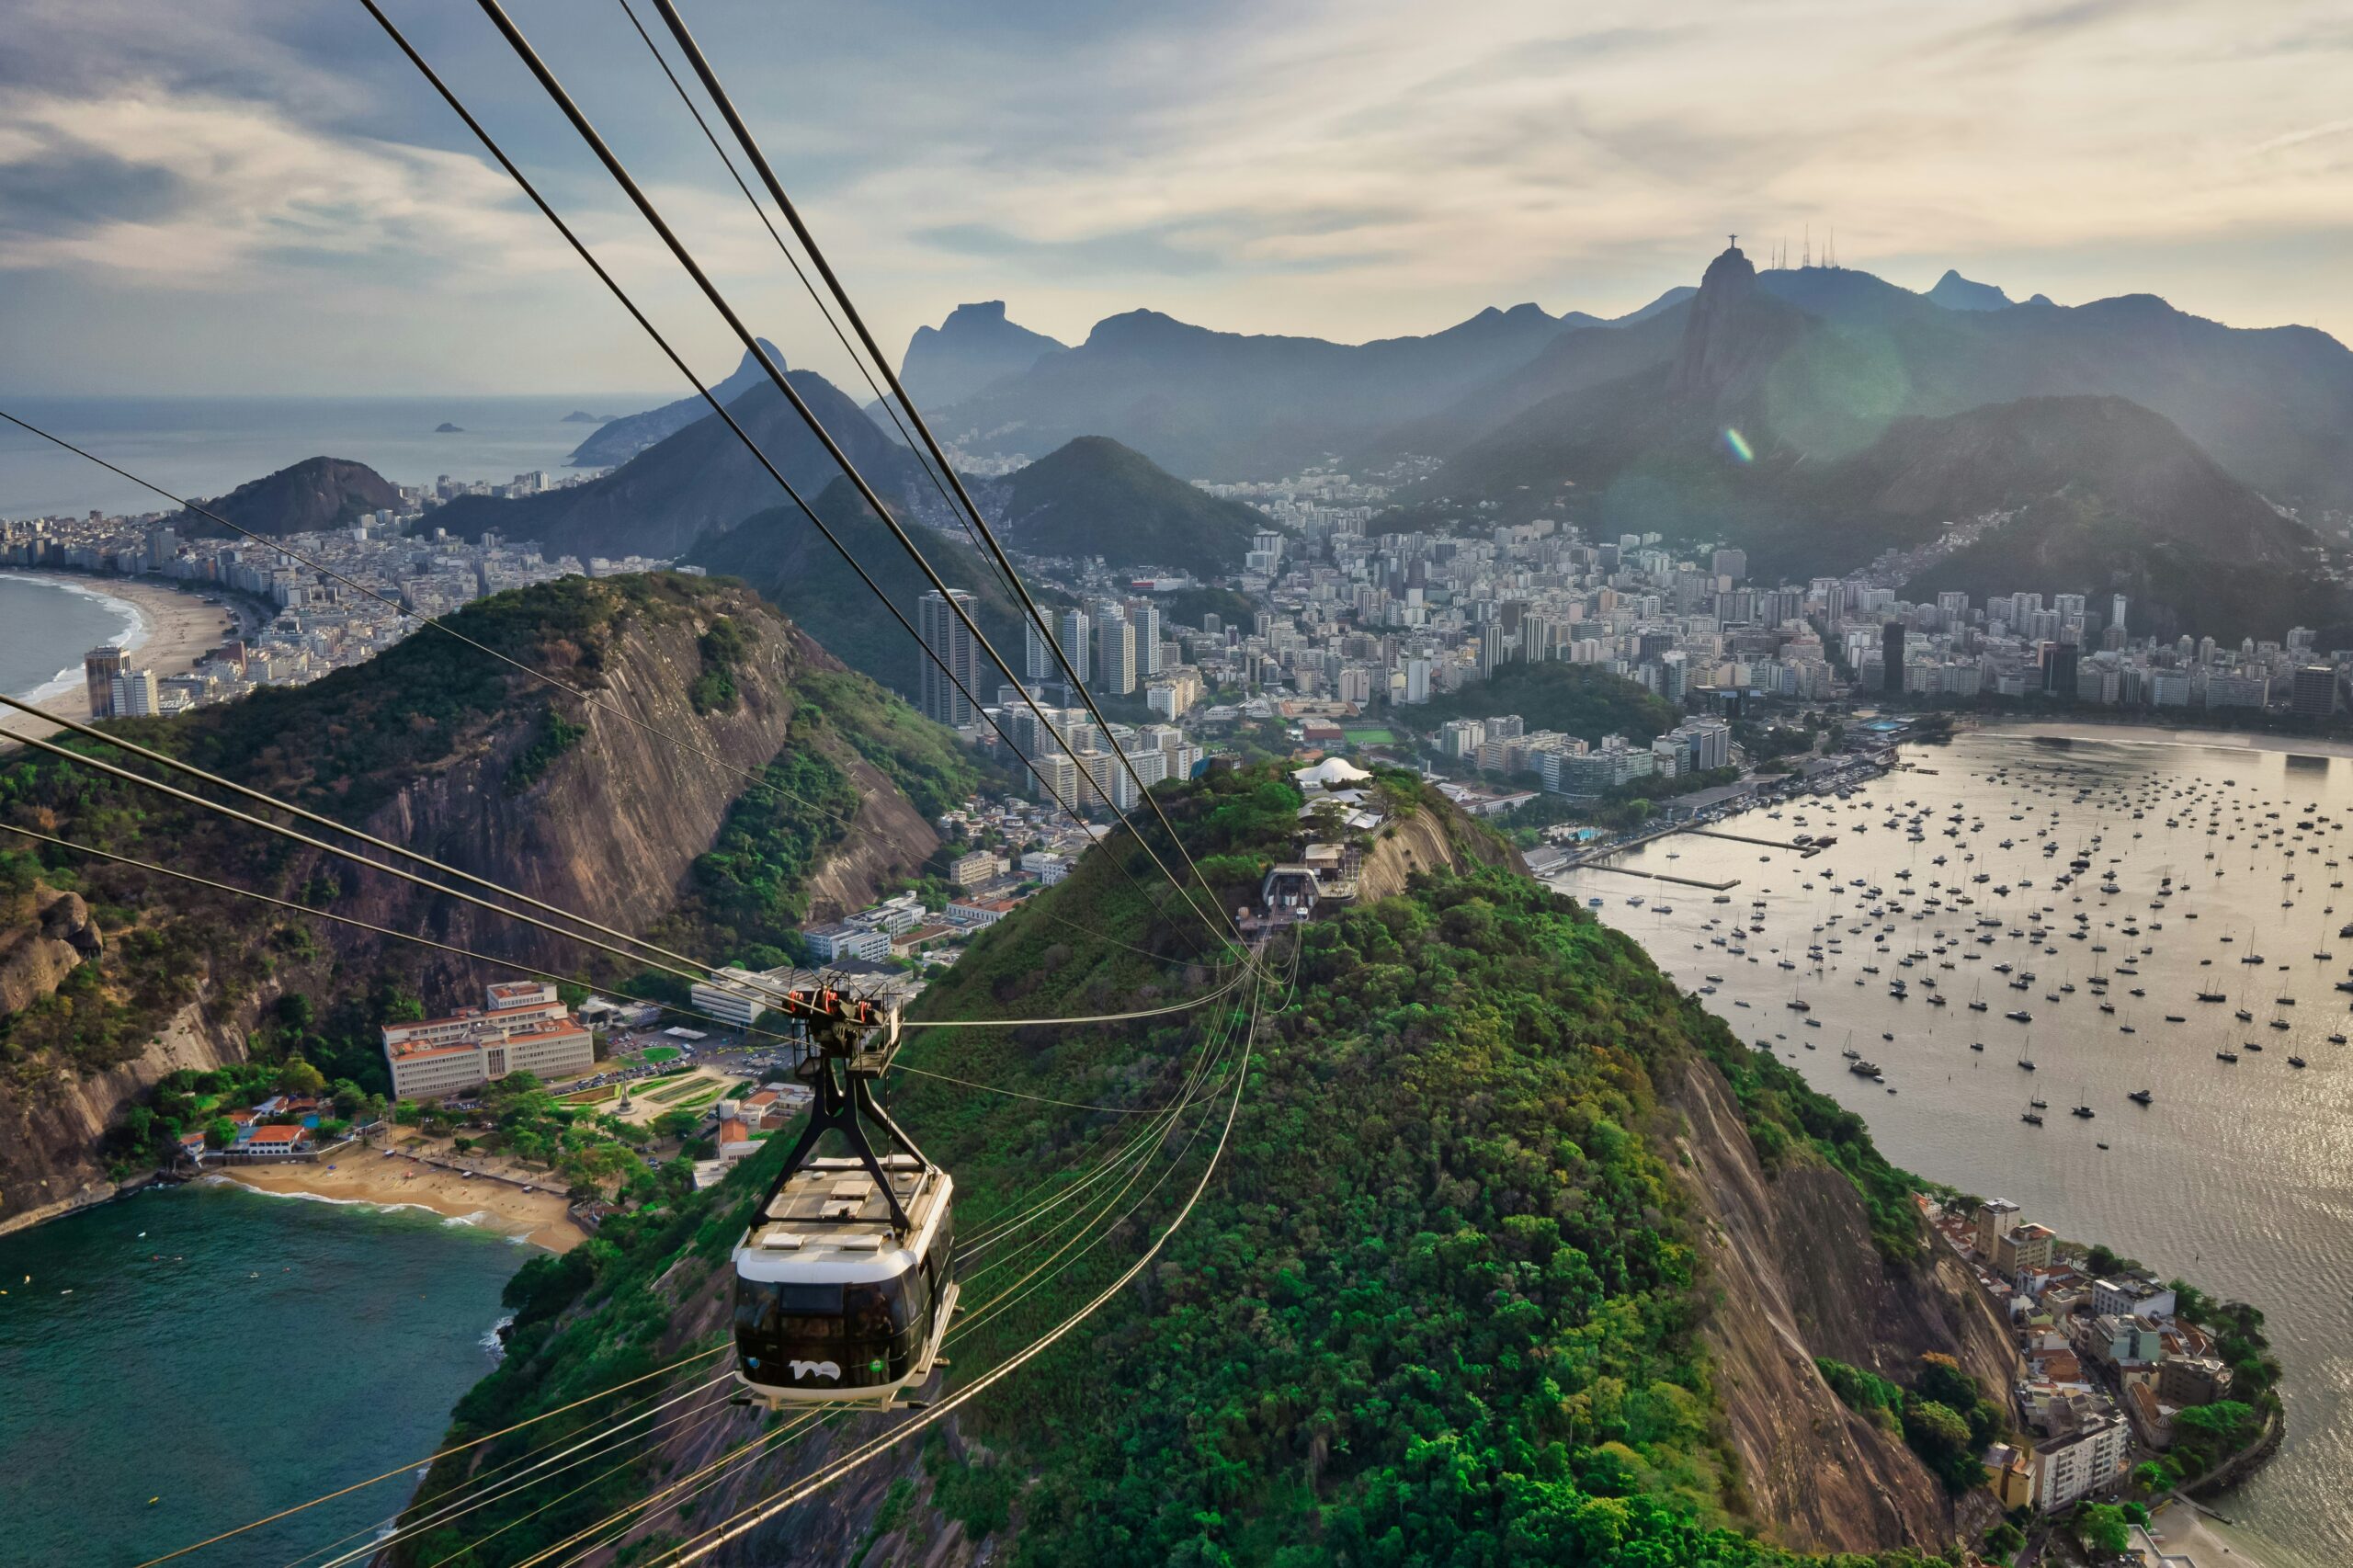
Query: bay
186	1360
2238	1177
206	447
46	625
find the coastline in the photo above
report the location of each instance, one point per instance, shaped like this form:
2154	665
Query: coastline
167	627
385	1179
2160	735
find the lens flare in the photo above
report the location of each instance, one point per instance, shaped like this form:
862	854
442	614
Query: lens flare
1737	444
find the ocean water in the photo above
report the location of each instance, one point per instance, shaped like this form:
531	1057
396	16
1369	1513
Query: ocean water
2239	1177
228	1354
206	447
47	624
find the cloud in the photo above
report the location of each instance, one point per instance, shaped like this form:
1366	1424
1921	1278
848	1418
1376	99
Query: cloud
185	191
2309	133
1354	168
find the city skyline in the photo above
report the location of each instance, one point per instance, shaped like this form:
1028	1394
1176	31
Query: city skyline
273	201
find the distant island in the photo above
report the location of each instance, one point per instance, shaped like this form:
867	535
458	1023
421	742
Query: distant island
446	429
582	417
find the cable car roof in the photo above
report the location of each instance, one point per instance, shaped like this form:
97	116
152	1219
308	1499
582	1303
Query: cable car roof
829	1222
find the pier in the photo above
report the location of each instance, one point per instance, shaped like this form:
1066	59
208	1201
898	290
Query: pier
1807	850
1660	877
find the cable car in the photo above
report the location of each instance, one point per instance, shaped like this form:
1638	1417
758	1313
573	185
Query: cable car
845	1281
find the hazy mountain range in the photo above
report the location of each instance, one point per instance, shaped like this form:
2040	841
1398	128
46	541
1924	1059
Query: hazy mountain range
1817	415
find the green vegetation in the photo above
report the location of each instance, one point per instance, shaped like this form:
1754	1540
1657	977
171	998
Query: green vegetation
1945	1416
751	884
1185	606
723	648
924	759
557	735
1584	700
1440	1304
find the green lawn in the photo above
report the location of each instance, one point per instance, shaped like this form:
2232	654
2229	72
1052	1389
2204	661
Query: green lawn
1369	737
659	1053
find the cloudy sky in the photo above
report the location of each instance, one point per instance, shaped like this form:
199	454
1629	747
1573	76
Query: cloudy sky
254	196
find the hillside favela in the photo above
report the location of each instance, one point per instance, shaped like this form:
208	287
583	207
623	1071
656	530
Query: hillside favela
923	787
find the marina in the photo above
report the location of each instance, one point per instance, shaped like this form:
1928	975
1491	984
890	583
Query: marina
2109	888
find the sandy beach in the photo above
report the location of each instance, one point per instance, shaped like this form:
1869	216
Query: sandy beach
177	629
2180	1531
369	1176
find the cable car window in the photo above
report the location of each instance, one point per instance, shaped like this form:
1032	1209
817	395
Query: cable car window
872	1311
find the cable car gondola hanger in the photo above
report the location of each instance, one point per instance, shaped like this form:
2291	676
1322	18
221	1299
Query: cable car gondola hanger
845	1279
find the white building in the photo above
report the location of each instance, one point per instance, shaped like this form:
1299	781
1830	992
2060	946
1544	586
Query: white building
525	1030
2084	1461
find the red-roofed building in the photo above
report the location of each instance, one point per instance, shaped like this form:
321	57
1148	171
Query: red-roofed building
278	1140
526	1030
736	1141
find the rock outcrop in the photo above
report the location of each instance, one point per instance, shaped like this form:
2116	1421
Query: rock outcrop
1795	1276
54	936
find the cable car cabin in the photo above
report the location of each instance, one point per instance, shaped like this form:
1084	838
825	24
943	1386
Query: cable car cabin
831	1304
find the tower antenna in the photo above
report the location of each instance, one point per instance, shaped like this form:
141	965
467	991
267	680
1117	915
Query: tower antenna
1809	243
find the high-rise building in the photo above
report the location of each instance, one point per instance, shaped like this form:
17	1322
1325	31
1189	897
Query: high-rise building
2058	665
1146	619
2118	604
2314	695
1075	631
1037	655
99	666
1890	656
1731	563
131	695
952	642
1115	640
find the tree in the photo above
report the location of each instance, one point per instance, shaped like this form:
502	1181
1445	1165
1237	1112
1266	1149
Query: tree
219	1132
299	1077
2099	1528
295	1012
407	1113
676	1123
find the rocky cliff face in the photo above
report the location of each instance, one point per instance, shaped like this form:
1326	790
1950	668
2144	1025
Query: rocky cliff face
1794	1275
51	1118
1428	840
610	829
613	826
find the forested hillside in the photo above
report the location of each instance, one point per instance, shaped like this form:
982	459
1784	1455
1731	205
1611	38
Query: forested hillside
1584	700
1451	1296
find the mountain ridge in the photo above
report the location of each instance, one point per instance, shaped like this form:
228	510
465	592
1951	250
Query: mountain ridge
617	440
698	480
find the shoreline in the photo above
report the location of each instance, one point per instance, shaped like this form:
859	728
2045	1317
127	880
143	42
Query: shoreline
2159	735
383	1179
170	629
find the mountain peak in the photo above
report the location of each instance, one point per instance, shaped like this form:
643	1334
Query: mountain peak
976	345
1955	292
1728	317
1731	274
